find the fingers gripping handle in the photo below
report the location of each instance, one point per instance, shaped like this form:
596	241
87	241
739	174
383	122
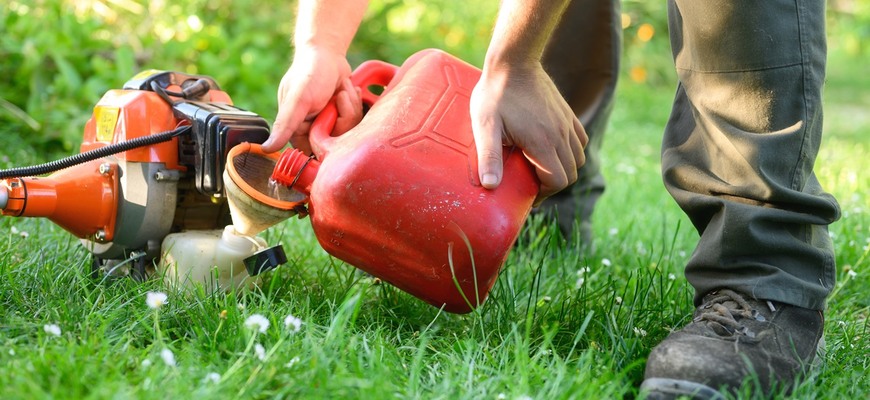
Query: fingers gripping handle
368	74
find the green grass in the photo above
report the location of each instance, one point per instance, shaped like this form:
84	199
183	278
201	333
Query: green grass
539	335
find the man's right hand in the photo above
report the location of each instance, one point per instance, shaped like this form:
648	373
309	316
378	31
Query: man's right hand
520	106
307	86
516	103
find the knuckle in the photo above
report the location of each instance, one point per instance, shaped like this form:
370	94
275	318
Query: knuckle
561	182
581	160
489	155
572	176
555	182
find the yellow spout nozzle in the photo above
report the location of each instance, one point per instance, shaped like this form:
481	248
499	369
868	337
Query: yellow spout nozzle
255	204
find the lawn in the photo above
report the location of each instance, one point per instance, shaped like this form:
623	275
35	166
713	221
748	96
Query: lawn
560	322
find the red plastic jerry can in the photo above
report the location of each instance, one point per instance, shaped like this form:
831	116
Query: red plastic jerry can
399	197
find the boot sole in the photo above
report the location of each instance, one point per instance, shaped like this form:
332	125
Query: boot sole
668	389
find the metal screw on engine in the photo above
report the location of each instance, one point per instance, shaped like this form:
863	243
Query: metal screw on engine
100	235
167	176
105	168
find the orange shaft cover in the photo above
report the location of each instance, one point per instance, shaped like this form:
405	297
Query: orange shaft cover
82	199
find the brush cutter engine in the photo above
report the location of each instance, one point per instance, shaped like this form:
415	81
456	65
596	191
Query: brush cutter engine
150	164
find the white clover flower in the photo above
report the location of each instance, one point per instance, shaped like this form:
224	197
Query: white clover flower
682	253
23	234
212	377
257	323
11	352
672	277
51	329
168	357
606	262
146	363
292	362
613	231
852	273
260	352
501	396
155	300
618	300
292	323
580	282
640	248
639	332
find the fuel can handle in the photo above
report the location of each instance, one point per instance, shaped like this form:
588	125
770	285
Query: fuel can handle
372	73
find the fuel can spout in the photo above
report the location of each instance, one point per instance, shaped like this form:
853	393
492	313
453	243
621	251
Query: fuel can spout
83	199
255	206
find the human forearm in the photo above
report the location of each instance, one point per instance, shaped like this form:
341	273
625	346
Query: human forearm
329	24
522	30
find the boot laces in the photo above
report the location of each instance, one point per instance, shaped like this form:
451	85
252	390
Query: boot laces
728	308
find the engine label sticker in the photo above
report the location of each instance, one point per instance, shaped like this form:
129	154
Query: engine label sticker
146	74
107	118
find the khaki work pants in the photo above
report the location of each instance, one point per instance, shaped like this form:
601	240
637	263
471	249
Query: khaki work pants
739	148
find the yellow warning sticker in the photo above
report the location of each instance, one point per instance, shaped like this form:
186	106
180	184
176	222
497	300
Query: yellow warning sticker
146	73
106	118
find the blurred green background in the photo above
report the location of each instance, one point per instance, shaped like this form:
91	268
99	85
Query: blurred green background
57	57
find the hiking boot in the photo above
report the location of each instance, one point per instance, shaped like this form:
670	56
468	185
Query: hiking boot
732	340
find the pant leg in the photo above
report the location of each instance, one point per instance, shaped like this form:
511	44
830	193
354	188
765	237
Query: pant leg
582	58
740	144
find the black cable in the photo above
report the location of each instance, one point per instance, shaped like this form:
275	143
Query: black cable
105	151
194	90
163	93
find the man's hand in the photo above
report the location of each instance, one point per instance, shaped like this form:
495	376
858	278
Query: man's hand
519	105
323	32
306	88
516	103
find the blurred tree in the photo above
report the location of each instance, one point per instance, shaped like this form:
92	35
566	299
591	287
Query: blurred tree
849	24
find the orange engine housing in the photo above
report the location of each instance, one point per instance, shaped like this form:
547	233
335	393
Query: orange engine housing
131	200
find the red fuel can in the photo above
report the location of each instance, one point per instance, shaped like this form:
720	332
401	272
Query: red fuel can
399	197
